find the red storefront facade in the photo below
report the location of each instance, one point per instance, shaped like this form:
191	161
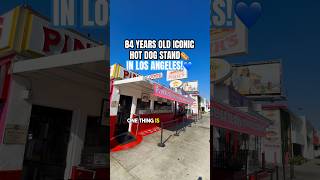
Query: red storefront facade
135	96
39	71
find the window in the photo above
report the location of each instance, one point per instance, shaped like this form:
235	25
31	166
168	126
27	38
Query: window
142	105
162	105
95	143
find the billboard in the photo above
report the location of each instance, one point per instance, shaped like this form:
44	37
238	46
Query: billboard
174	75
229	41
194	105
154	76
262	78
191	86
220	70
272	141
175	83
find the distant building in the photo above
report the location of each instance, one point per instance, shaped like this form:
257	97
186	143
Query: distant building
204	105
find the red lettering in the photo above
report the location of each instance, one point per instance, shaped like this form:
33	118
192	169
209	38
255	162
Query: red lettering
51	37
219	46
65	46
233	40
125	74
77	45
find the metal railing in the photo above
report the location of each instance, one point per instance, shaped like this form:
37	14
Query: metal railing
273	174
229	159
178	127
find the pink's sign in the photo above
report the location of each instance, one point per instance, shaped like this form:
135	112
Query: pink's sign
166	93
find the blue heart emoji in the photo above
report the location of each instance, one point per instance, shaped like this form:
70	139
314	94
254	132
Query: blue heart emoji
248	15
187	64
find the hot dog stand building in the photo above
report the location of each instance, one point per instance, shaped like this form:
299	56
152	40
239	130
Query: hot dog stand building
52	89
239	128
238	131
133	95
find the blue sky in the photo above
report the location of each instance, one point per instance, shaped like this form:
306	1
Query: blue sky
165	19
44	8
290	30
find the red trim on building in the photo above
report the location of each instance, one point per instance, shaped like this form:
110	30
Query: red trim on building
111	89
5	61
129	145
11	175
143	127
80	173
166	93
112	127
7	79
231	118
274	106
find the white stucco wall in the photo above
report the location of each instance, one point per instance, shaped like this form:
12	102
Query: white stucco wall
19	112
307	130
272	146
56	93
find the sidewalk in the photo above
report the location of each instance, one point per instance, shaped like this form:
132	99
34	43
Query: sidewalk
184	157
308	171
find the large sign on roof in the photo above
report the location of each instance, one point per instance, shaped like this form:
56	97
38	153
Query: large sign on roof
258	79
229	41
220	69
191	86
34	36
175	75
8	23
42	39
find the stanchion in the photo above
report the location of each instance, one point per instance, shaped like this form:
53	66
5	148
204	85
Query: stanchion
263	163
291	171
183	124
177	129
277	172
189	125
161	144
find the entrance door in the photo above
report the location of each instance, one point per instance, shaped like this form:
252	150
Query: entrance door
47	144
124	110
122	135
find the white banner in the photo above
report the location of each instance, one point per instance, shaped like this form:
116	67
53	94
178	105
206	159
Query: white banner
174	75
